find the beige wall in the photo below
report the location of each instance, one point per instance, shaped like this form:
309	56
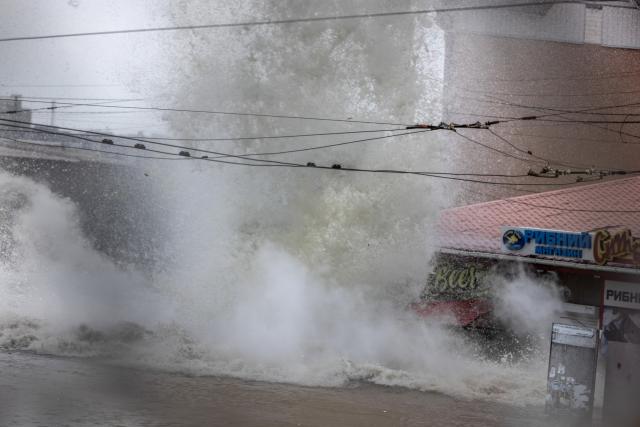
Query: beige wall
482	70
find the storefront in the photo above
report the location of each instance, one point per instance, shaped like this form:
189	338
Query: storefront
587	241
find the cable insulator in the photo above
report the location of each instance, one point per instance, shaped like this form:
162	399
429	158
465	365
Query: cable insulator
422	126
336	166
185	154
204	157
311	165
476	125
140	146
107	141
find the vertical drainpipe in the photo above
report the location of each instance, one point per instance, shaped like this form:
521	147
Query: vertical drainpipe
601	314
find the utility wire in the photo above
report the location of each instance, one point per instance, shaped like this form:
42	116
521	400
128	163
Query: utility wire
246	157
54	107
54	98
561	112
270	22
530	153
557	111
488	147
66	147
549	95
576	77
419	128
249	138
71	85
319	147
232	113
442	175
87	132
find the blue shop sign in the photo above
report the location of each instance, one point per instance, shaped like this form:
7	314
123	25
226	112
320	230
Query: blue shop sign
547	243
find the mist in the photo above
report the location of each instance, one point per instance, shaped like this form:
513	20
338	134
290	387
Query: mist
284	275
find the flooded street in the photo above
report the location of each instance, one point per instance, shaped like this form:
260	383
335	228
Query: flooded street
319	213
46	391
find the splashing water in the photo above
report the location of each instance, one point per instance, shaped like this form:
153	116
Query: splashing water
273	274
277	320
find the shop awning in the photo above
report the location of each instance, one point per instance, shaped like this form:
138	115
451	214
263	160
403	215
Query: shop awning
462	313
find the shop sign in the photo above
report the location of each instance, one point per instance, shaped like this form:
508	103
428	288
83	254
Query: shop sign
620	246
621	294
601	247
461	280
551	243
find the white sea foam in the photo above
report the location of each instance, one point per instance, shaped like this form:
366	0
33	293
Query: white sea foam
273	274
280	320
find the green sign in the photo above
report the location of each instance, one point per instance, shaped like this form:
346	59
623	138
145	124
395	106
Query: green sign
456	282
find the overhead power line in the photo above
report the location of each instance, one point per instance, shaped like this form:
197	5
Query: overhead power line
58	98
414	129
54	106
251	138
269	22
559	111
23	124
62	85
549	95
576	77
548	161
66	147
337	144
336	167
228	113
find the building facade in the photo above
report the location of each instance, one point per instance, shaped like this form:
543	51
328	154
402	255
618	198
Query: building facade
586	240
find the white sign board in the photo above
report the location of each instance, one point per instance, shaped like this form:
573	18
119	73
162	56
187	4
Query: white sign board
622	294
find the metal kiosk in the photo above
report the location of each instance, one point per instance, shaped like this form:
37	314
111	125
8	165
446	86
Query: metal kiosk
572	373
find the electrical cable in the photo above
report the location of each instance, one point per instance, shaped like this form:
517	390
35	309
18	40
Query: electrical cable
53	107
135	140
577	77
338	144
557	111
231	113
92	149
441	175
70	85
528	152
420	128
270	22
249	138
504	153
549	95
54	98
